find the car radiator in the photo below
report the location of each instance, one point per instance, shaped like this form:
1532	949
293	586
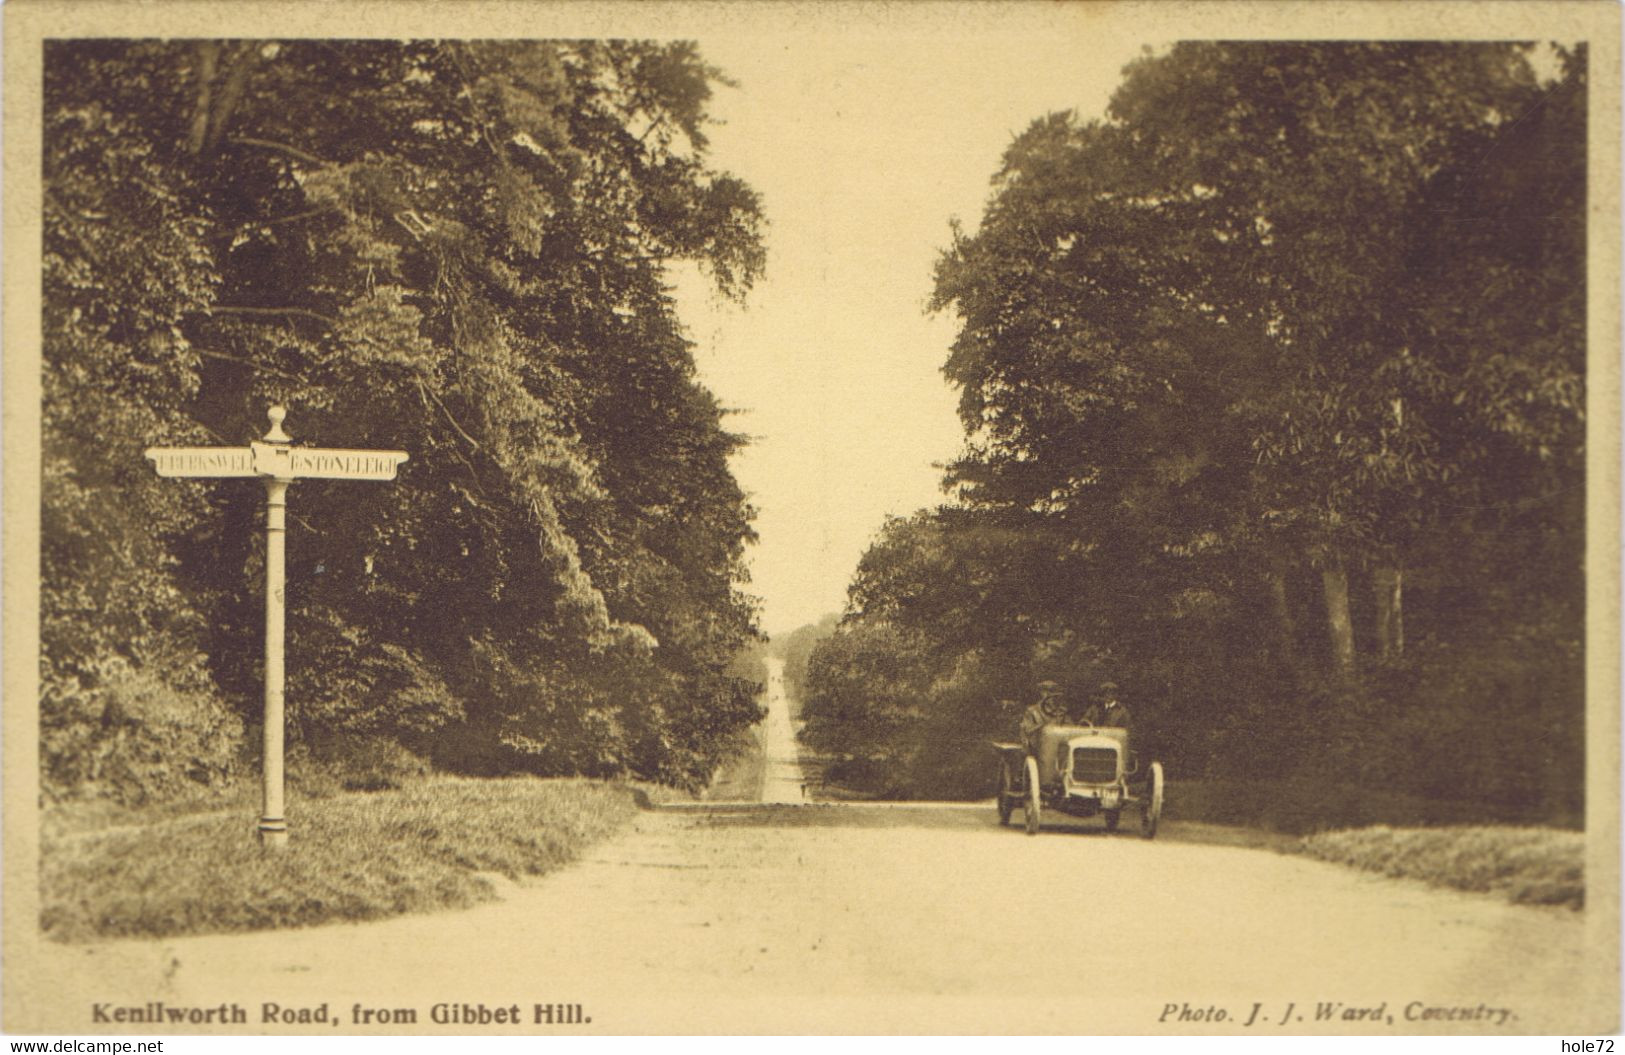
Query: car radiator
1094	765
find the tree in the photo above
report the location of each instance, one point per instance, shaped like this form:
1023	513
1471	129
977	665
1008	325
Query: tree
464	260
1247	357
1323	174
125	705
795	648
1188	288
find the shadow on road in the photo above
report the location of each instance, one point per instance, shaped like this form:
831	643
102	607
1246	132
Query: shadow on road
975	816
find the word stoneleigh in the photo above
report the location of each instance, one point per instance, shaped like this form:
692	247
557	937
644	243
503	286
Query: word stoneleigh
444	1014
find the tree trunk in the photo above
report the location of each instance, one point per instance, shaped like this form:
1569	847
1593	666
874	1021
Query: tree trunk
208	58
1389	586
1338	623
242	64
1286	630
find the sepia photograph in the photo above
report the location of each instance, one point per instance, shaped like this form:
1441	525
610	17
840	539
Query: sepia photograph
546	519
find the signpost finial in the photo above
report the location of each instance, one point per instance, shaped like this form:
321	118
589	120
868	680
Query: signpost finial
276	435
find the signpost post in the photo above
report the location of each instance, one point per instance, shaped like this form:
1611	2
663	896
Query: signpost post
278	463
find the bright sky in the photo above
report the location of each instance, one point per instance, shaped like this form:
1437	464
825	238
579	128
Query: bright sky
862	148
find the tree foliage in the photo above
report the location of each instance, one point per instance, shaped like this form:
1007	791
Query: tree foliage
453	248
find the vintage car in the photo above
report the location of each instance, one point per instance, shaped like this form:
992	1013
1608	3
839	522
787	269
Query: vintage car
1080	770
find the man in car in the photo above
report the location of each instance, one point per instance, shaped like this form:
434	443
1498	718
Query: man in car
1109	710
1050	709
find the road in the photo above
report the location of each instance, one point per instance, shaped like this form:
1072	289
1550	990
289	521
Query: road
783	916
841	918
783	780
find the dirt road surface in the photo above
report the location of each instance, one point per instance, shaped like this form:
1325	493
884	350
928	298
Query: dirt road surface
783	780
824	918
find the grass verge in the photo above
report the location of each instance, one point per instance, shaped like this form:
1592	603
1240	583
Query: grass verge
739	779
1301	806
1540	866
352	857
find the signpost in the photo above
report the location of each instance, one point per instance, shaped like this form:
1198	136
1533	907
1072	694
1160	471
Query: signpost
278	463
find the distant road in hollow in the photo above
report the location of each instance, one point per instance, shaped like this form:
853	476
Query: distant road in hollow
783	780
857	918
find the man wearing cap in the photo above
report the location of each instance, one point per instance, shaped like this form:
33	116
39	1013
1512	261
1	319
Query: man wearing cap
1109	710
1049	709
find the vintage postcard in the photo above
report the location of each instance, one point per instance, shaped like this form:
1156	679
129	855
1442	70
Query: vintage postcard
551	519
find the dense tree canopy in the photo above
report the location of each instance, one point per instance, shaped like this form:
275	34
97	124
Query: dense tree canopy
1272	383
453	248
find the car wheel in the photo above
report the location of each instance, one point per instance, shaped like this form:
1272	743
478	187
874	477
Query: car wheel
1032	805
1007	792
1151	803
